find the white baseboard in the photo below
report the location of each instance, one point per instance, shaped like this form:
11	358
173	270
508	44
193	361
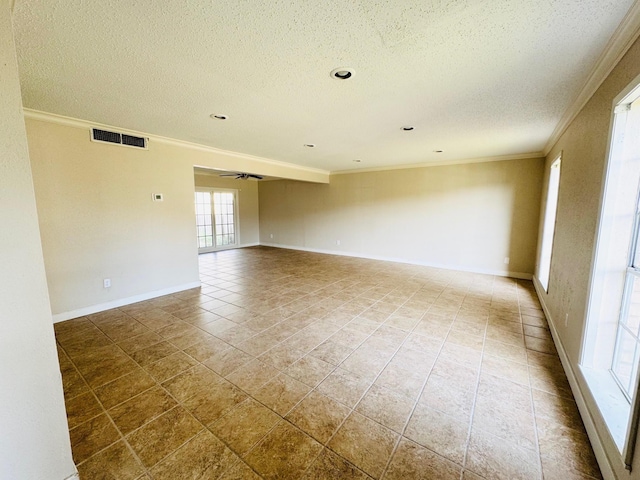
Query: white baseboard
500	273
585	413
232	247
75	476
61	317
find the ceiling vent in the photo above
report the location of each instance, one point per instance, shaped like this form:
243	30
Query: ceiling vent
106	136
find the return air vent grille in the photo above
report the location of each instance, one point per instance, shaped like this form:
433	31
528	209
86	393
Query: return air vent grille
98	135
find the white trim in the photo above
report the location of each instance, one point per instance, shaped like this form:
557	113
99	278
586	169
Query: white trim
587	419
80	312
462	161
620	42
75	476
203	251
500	273
78	123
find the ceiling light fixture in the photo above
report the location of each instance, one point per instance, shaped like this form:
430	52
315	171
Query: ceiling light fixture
218	116
310	145
342	73
408	128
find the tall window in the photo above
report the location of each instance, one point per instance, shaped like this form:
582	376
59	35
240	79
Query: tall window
611	348
549	225
216	219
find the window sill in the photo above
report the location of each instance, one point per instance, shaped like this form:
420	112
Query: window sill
613	405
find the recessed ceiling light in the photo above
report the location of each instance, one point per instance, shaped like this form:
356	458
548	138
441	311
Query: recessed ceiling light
408	128
342	73
310	145
218	116
357	160
438	151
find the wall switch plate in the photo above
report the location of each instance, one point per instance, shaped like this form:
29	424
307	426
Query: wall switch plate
506	260
106	283
271	235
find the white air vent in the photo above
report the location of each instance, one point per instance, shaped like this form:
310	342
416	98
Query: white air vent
105	136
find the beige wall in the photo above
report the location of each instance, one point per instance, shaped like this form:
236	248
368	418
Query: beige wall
98	220
34	440
583	146
467	217
248	210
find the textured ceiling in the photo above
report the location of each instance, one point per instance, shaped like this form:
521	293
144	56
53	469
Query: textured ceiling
477	78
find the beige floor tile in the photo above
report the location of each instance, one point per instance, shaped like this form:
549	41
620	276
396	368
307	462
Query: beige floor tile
162	436
202	457
330	466
242	427
153	353
365	443
344	386
333	324
411	461
82	408
125	387
309	370
441	433
285	452
114	463
387	407
226	361
252	376
282	393
318	416
495	458
170	366
92	436
141	409
190	382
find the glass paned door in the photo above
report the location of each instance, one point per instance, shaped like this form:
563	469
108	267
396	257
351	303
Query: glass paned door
215	219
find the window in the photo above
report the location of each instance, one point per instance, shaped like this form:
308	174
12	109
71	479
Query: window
611	346
216	219
549	225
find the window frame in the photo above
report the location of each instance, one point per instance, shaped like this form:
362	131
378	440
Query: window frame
236	220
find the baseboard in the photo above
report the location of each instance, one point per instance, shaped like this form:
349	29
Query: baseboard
500	273
232	247
585	413
75	476
61	317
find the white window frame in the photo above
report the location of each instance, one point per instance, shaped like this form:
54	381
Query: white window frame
549	223
615	229
236	219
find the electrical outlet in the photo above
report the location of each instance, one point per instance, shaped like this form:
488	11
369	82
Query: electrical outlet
506	260
566	319
106	283
338	242
271	235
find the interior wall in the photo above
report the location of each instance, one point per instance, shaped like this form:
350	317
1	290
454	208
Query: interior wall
98	219
584	148
34	438
466	217
248	210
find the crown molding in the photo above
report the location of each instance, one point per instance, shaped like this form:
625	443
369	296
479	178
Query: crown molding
78	123
619	43
462	161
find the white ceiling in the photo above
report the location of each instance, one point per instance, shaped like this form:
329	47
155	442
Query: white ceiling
477	78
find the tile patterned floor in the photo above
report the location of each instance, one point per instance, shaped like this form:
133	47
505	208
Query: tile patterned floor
288	365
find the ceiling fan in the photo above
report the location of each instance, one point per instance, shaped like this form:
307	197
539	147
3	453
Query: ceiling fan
242	176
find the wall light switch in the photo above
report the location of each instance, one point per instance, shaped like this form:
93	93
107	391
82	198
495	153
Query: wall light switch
271	235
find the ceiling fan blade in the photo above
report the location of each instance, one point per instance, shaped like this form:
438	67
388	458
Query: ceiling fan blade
259	177
229	174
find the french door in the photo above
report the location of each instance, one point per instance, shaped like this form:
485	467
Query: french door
216	219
